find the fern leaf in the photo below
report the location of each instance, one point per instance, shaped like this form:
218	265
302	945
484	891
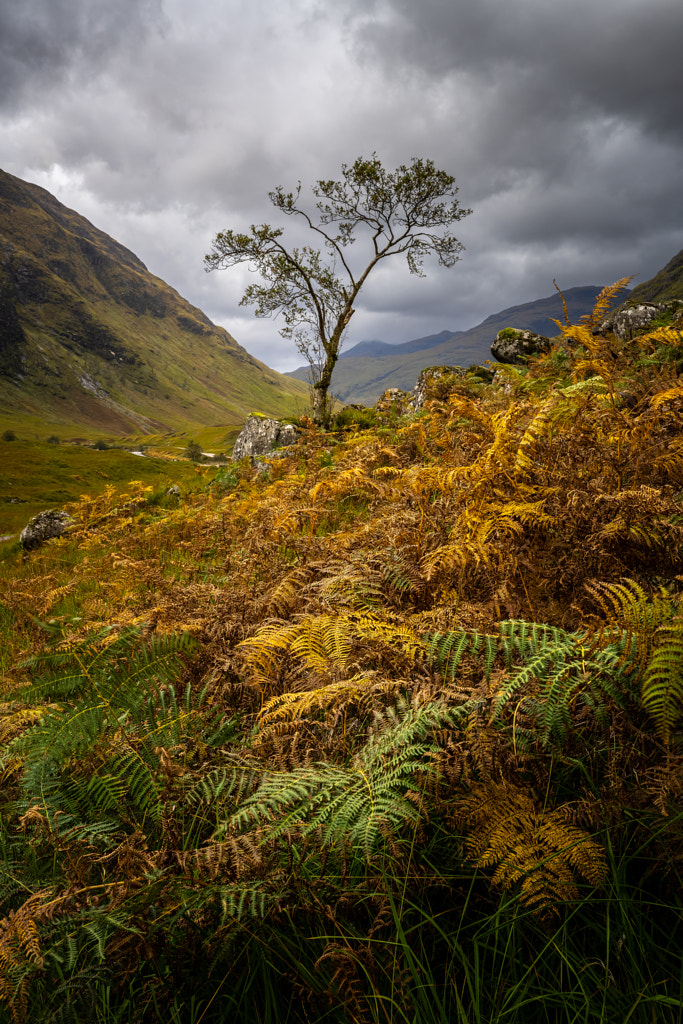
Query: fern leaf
662	687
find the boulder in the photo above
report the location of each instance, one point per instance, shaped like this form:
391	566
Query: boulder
637	318
51	523
260	436
433	382
393	399
439	381
515	346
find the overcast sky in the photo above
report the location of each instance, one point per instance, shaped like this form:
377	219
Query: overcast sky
165	121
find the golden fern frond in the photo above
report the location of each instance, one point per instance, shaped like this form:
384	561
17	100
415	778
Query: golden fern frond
663	397
351	584
19	945
605	301
596	367
323	641
458	405
541	423
530	513
459	555
15	718
320	642
288	706
265	651
670	461
286	594
350	481
394	633
662	687
632	613
535	849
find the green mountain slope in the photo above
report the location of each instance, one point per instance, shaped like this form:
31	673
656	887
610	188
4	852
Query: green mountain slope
89	338
667	284
364	376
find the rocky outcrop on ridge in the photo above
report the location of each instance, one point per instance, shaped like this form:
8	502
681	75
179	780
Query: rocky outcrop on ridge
634	318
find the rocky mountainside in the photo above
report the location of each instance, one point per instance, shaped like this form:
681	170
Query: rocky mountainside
89	337
366	370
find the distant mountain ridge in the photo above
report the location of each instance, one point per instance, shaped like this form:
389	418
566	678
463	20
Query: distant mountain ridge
368	368
88	336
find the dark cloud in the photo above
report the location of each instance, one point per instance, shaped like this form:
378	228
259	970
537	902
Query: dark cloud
618	57
44	42
164	122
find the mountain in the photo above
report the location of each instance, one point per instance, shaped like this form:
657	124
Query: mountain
379	349
367	369
89	337
667	284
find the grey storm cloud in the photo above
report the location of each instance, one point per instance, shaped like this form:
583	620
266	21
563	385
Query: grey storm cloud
619	57
42	42
164	122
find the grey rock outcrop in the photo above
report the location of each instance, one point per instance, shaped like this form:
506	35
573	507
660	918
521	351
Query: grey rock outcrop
627	321
51	523
439	381
394	400
429	380
516	346
260	436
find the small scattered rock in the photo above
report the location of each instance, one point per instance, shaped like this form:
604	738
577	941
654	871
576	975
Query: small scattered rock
51	523
173	491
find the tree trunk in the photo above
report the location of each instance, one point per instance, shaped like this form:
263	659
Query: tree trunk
321	404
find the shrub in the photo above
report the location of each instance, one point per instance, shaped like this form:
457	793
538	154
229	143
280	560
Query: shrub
53	439
226	479
194	451
355	418
100	445
9	435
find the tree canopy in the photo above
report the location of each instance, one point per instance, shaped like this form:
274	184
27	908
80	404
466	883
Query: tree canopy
407	212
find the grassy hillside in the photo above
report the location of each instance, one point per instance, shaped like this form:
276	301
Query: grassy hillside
393	734
90	339
364	376
667	284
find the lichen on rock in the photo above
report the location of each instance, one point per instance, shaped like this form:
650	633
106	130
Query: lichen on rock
260	436
50	523
515	346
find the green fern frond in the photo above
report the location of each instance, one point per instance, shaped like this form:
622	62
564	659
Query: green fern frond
448	649
352	806
662	686
632	613
555	673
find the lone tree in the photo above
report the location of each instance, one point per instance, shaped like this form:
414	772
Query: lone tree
406	211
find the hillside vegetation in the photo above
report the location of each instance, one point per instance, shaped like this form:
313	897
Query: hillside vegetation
391	735
367	369
89	339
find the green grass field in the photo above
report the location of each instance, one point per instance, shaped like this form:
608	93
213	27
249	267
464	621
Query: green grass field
36	475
